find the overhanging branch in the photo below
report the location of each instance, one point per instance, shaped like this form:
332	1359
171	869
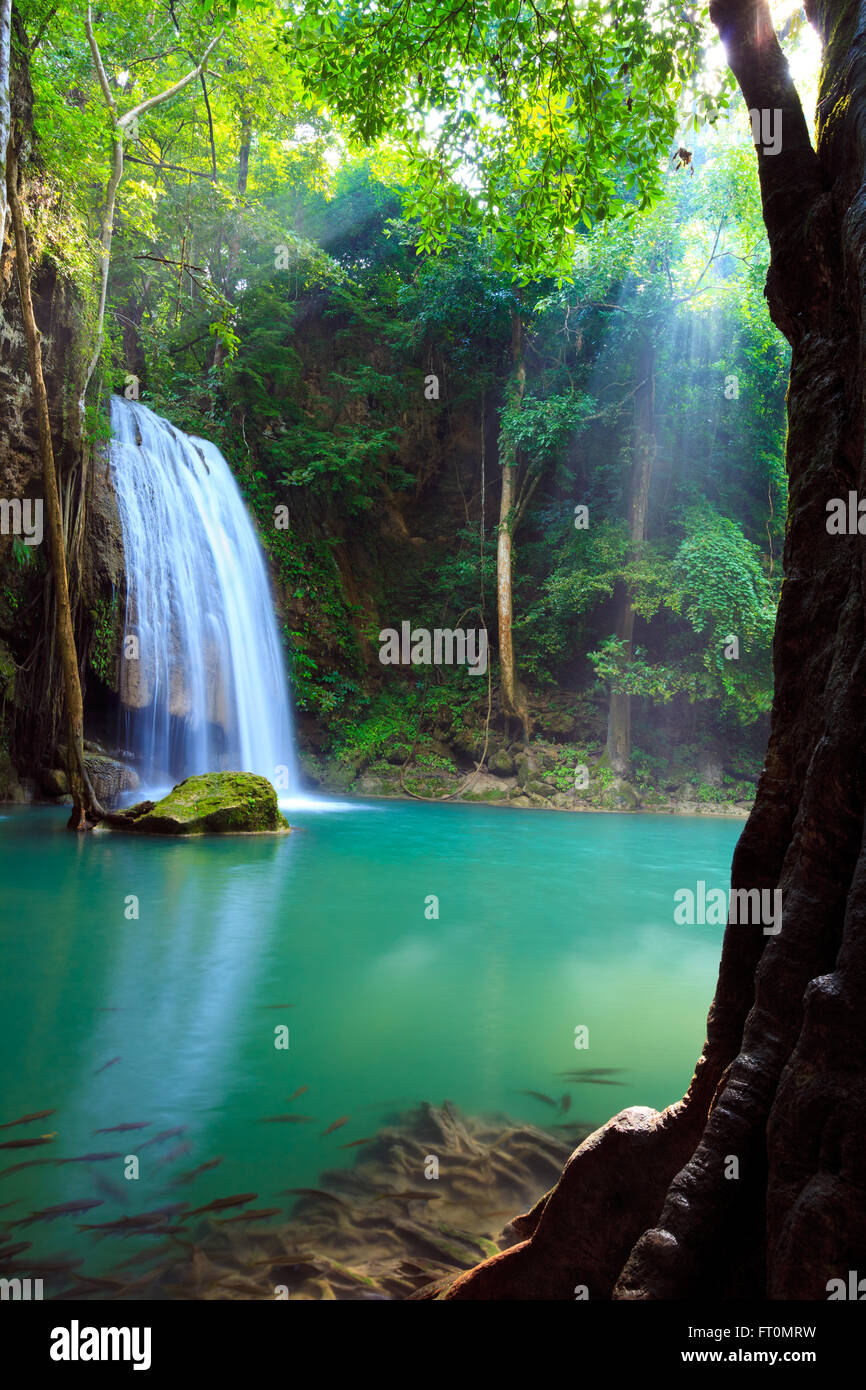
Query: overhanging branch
792	182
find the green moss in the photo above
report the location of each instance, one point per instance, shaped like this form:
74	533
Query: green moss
211	803
106	640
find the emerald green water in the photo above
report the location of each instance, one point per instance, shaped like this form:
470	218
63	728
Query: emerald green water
546	921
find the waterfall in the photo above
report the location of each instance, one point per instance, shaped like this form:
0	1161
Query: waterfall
203	685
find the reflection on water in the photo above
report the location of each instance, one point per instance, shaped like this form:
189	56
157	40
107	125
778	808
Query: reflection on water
167	1018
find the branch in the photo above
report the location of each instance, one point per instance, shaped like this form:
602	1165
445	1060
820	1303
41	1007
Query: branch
160	164
97	63
791	180
209	126
40	32
120	125
172	91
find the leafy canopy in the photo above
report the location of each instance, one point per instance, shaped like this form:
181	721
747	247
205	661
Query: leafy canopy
527	117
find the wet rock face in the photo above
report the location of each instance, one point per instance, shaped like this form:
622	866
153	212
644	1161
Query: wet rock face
10	787
110	777
213	803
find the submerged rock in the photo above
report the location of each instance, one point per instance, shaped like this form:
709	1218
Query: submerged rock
211	803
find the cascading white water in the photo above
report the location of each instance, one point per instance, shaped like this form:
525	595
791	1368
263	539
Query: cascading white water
207	687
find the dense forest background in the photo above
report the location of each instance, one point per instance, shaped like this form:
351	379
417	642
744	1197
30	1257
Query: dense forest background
271	287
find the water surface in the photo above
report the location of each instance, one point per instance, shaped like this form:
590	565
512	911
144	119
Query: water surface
546	922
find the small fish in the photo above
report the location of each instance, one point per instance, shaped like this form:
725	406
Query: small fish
202	1168
288	1258
14	1250
565	1105
145	1218
257	1214
178	1151
122	1129
27	1143
165	1134
155	1230
278	1006
593	1081
92	1158
299	1092
592	1071
355	1143
109	1063
28	1119
338	1124
110	1189
287	1119
410	1196
538	1095
28	1163
100	1283
55	1266
64	1209
219	1203
14	1201
313	1192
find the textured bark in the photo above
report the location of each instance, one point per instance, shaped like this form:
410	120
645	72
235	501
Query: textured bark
514	701
5	101
84	801
781	1084
643	455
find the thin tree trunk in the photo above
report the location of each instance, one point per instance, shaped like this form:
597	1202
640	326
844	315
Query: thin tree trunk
235	243
644	447
85	804
514	700
120	127
5	102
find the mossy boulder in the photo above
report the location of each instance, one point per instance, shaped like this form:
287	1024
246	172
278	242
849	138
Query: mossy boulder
620	796
501	764
222	803
528	767
53	781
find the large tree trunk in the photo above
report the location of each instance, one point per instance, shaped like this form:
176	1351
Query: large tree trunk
514	699
649	1207
85	804
643	455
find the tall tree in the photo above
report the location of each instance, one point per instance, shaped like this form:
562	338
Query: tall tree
122	127
5	101
85	806
780	1084
514	700
643	452
566	87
